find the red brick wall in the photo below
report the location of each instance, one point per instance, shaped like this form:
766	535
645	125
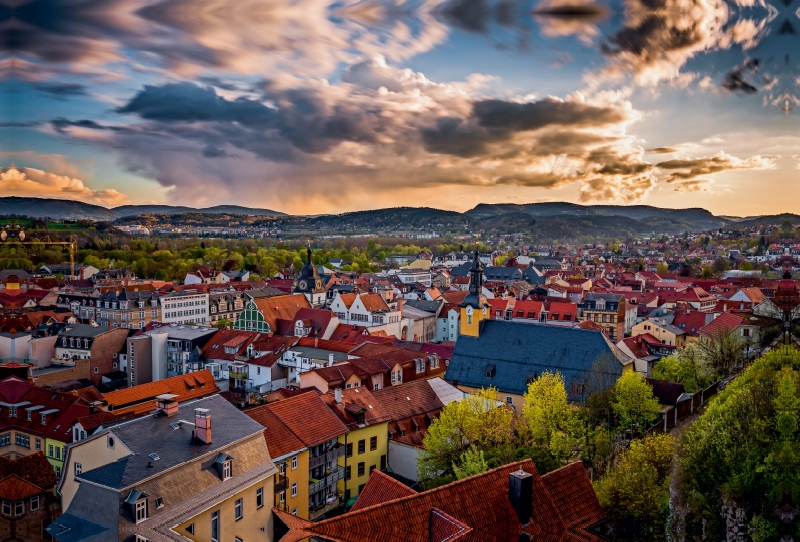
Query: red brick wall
102	353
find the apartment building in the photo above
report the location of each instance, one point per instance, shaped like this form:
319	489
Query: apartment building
188	306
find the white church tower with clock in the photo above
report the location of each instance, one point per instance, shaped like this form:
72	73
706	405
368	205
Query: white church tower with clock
310	284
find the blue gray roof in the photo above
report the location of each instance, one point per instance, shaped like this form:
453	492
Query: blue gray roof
520	351
69	528
153	434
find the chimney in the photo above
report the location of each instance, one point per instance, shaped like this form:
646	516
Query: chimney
166	405
330	359
520	493
202	424
80	276
337	394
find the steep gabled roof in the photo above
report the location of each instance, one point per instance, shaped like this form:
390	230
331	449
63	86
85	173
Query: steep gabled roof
380	488
280	440
308	418
475	509
281	307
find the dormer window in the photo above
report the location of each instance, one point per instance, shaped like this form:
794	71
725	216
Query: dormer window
137	501
224	464
490	371
420	365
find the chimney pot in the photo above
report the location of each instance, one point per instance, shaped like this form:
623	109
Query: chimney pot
330	359
520	493
337	393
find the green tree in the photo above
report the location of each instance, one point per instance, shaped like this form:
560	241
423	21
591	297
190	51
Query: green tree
688	367
550	420
662	268
636	489
634	403
472	462
222	323
480	419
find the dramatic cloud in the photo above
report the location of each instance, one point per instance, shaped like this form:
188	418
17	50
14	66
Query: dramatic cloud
35	182
684	173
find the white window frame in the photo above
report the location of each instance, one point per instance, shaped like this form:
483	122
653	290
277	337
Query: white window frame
294	463
140	510
294	489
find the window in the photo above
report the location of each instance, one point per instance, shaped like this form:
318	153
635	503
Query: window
110	442
19	508
58	472
509	399
159	502
12	412
347	472
361	488
373	443
78	469
23	440
215	526
361	469
58	453
362	446
190	528
294	489
282	469
349	449
282	497
140	510
294	463
6	508
34	503
294	511
238	511
226	470
5	439
383	462
420	365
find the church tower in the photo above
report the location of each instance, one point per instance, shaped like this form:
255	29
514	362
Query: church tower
474	308
310	284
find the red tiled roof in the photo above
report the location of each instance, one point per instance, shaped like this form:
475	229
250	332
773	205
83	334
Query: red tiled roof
59	424
280	440
93	421
283	307
380	488
140	399
308	418
722	325
31	473
479	503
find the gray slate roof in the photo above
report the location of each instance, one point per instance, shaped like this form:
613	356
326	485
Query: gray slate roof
152	434
521	350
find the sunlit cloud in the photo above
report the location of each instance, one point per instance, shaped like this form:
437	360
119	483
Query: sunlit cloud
35	182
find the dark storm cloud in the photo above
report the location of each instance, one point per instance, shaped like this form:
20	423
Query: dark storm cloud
458	137
469	15
663	150
61	91
519	117
300	117
60	125
608	162
735	80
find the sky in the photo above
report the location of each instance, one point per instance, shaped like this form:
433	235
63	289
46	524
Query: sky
312	106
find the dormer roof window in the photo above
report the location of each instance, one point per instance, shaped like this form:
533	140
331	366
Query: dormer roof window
224	466
490	371
137	504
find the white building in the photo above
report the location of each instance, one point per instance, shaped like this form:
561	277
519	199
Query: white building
188	306
368	310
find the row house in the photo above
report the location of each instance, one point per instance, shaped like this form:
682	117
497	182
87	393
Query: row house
610	311
99	344
29	503
225	305
368	310
36	420
131	309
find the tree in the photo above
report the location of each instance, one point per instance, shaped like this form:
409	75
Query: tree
222	323
723	350
662	268
636	489
472	462
708	271
634	403
481	420
743	452
688	367
550	420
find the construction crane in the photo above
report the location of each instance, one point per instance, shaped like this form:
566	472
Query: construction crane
18	238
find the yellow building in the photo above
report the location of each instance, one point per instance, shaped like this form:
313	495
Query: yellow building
199	471
366	448
662	331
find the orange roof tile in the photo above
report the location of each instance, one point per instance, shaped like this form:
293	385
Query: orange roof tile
380	488
140	399
308	418
280	440
281	307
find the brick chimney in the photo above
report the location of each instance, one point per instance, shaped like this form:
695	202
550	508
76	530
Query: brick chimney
520	493
202	424
166	405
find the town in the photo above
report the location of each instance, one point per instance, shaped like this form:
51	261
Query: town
173	388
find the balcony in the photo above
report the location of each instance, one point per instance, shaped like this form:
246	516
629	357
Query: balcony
281	485
332	455
331	503
238	372
315	486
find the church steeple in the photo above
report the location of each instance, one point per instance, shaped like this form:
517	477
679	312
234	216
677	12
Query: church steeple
475	307
309	282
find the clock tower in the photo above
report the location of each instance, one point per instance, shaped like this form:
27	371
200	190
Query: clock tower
310	284
474	308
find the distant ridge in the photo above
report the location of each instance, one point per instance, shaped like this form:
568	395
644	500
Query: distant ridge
59	209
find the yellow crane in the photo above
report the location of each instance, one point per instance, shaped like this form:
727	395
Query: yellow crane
19	238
